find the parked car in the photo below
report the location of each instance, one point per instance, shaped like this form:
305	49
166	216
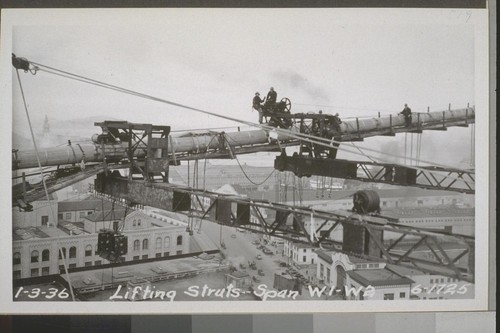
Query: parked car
259	257
260	272
255	279
252	265
243	266
283	264
256	242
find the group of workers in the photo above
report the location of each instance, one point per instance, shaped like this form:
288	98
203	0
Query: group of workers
270	100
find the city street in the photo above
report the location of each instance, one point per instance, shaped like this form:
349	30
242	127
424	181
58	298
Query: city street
240	250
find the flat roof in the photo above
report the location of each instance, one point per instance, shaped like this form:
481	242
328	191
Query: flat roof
378	277
446	211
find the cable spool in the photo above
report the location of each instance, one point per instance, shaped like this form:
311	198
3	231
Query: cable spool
366	201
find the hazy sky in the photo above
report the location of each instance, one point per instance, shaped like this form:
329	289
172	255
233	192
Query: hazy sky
216	60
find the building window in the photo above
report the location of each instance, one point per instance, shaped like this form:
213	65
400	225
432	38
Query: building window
388	297
82	214
134	223
179	252
145	256
72	265
98	262
88	250
68	216
115	225
137	245
158	255
402	295
304	259
60	216
136	258
327	277
145	244
90	212
45	220
166	254
88	263
45	271
45	255
139	222
179	240
34	257
159	243
72	252
16	258
61	269
34	272
166	242
17	274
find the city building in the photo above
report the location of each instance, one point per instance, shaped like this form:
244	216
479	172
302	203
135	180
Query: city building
37	249
360	279
299	253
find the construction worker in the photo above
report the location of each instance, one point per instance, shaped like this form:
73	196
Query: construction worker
337	122
271	98
257	105
407	113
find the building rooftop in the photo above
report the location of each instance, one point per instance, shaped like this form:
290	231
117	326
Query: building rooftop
85	204
378	277
447	211
325	255
107	215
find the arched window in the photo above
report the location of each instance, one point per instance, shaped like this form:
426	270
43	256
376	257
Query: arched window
88	250
34	256
158	243
134	223
179	240
139	222
63	249
145	244
45	255
16	258
137	245
166	242
72	252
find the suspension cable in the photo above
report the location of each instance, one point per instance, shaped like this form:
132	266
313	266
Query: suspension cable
299	136
63	255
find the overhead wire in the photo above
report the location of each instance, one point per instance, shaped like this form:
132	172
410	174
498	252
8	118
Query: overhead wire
299	136
63	255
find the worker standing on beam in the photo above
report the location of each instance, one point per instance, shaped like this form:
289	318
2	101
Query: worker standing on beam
257	105
407	113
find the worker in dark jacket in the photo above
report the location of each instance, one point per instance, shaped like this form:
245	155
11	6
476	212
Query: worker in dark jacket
257	105
271	97
407	113
337	122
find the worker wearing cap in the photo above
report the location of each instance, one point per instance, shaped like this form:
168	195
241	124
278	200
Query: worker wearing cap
407	113
257	105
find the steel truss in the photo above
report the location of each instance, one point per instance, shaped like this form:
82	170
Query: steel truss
367	236
436	178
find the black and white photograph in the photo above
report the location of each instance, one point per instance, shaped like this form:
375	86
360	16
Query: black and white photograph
202	160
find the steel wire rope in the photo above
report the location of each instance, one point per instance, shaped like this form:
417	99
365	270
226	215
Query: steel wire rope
63	255
123	90
300	136
248	178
